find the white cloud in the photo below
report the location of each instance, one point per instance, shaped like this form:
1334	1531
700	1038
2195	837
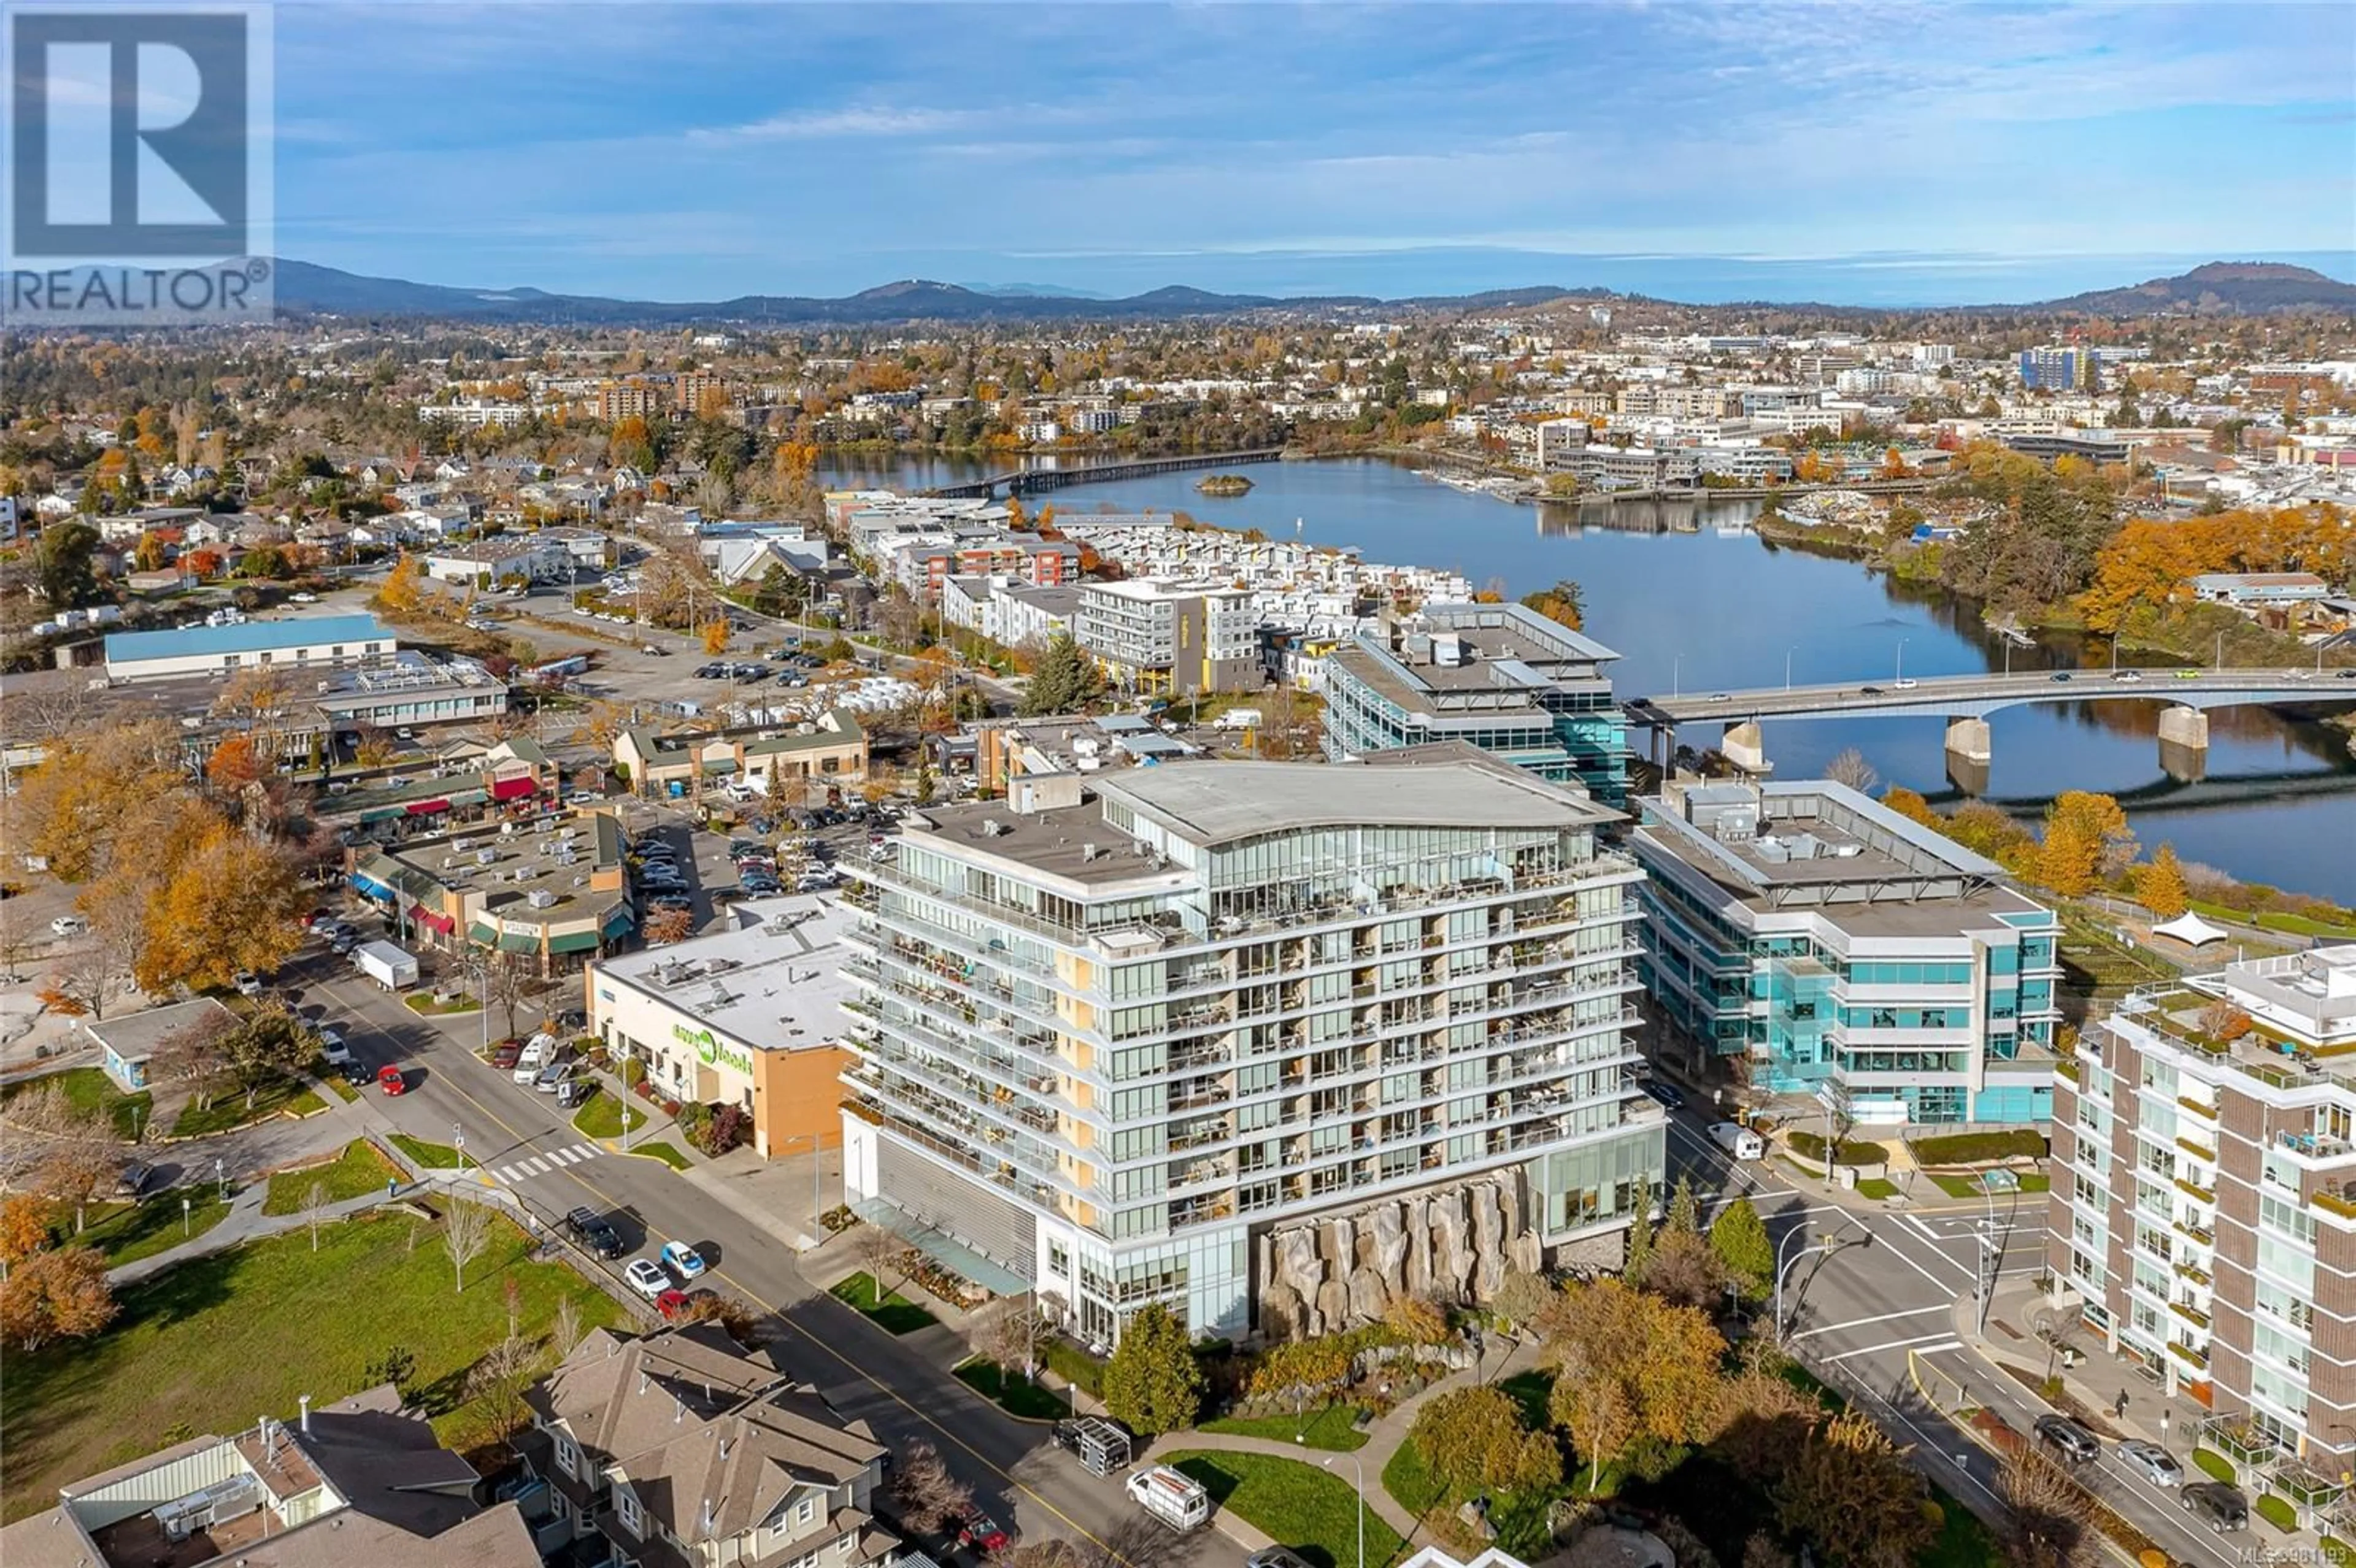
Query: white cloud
815	125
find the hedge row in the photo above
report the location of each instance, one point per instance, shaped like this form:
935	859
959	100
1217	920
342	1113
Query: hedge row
1973	1148
1853	1151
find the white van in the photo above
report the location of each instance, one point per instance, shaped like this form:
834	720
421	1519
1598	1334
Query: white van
1174	1497
1738	1140
533	1058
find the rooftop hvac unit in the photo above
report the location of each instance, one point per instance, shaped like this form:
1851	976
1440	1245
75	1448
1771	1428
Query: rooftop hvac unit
485	857
993	828
1090	851
541	898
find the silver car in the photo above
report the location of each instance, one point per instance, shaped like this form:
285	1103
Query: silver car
2151	1461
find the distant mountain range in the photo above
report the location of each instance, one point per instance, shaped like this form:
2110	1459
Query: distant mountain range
2218	287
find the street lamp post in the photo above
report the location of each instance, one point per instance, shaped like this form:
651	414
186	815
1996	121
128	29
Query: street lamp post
1676	675
1783	1271
184	1218
220	1174
1787	667
1359	1466
1901	659
458	1141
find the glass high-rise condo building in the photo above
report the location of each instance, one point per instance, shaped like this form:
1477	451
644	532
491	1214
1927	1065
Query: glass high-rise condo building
1262	1041
1841	946
1501	677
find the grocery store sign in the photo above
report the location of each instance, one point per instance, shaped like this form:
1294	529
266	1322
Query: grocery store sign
711	1051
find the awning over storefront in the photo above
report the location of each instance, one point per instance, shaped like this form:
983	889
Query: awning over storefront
513	942
469	797
427	918
619	924
575	942
942	1248
426	807
717	767
482	935
380	814
369	887
514	788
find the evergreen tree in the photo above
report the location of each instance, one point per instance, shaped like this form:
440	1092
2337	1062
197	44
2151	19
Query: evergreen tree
1065	681
1684	1209
1738	1237
1640	1242
1152	1383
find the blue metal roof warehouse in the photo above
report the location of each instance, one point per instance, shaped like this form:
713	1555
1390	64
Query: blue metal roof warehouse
246	637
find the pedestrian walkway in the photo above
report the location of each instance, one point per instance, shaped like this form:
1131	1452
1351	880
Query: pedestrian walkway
1383	1439
244	1222
540	1162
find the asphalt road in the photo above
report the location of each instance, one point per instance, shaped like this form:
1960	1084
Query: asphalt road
524	1142
1892	1285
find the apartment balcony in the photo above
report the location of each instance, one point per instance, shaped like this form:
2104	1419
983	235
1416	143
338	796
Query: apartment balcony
2188	1354
2192	1273
2205	1194
2200	1235
2206	1155
2206	1113
2189	1313
2319	1148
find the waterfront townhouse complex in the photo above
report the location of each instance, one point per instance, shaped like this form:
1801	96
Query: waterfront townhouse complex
1169	637
1499	677
1265	1042
1848	951
2203	1200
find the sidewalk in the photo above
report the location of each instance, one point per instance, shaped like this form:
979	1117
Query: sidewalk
245	1222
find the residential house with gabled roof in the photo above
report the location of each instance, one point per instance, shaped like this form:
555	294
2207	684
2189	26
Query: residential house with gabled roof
682	1450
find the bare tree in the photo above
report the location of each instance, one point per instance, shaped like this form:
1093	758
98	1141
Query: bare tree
1850	768
1004	1334
500	1377
2048	1515
926	1495
196	1054
73	1154
880	1249
514	988
466	1232
564	1329
314	1209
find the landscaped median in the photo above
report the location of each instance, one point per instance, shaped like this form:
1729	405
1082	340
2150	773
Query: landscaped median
426	1156
1305	1506
608	1116
664	1152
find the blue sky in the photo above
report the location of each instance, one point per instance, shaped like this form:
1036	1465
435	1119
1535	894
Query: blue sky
1915	154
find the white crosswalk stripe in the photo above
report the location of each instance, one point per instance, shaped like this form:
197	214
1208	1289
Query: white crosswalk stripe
541	1162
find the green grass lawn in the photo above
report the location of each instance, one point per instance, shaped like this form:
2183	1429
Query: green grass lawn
1969	1186
1016	1394
88	1089
336	1084
1964	1542
1410	1484
213	1343
356	1172
1531	1390
428	1156
895	1314
423	1003
663	1152
1312	1509
133	1230
229	1108
603	1116
1334	1428
2292	924
1877	1187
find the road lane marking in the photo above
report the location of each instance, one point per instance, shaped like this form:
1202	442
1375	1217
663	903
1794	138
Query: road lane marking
1885	1317
1926	1345
1941	1286
948	1435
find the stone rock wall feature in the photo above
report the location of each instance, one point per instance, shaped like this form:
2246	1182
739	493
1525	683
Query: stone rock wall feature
1323	1276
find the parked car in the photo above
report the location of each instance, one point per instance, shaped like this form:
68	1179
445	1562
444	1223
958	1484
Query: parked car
2219	1507
2073	1442
581	797
505	1054
2151	1461
70	925
1738	1140
979	1532
136	1175
646	1276
247	982
594	1231
678	1305
572	1092
532	1059
683	1261
389	1080
332	1046
1275	1557
1668	1094
552	1077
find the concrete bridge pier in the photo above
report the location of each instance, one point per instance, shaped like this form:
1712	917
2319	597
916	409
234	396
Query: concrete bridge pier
1746	748
1968	741
2184	743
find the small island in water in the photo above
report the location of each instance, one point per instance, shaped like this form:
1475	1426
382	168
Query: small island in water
1222	485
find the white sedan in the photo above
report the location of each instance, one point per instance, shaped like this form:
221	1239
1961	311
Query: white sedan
647	1277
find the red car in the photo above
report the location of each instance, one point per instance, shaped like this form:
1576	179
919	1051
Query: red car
676	1305
506	1053
389	1080
981	1533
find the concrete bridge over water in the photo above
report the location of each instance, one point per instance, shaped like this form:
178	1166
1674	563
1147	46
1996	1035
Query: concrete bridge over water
1030	481
1965	703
